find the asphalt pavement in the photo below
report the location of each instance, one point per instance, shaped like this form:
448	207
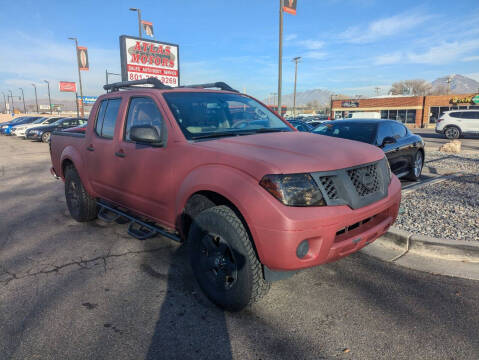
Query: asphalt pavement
90	291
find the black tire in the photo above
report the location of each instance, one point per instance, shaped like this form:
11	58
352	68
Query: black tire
224	261
452	132
82	206
46	137
416	166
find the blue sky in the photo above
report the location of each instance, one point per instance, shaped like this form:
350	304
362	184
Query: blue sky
347	46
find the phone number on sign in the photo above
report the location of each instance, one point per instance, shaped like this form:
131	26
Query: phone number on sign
163	79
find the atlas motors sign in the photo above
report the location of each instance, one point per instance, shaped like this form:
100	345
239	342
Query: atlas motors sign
67	86
141	59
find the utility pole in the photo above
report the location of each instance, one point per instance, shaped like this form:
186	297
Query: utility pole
79	73
36	98
109	73
4	101
11	98
331	106
23	97
296	60
139	20
280	55
76	102
377	88
49	98
448	84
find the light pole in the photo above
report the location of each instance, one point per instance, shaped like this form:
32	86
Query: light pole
4	101
23	98
36	98
109	73
280	55
11	98
296	61
49	98
79	73
139	20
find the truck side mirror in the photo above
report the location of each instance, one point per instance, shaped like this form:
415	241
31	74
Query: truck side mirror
146	134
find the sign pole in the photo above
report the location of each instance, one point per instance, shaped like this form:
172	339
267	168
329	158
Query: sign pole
139	23
79	72
280	59
76	102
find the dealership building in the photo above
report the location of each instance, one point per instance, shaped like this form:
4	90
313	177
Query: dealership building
414	111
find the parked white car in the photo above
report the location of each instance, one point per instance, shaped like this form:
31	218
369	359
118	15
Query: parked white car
456	123
365	115
21	129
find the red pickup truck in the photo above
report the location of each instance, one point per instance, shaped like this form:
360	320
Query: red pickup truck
253	198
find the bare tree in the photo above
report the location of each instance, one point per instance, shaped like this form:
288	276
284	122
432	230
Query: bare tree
441	89
415	87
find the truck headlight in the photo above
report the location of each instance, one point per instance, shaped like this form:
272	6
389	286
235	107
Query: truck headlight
293	189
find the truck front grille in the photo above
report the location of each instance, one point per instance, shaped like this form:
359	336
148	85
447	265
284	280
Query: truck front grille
365	179
329	187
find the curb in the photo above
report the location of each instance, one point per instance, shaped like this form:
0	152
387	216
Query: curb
457	250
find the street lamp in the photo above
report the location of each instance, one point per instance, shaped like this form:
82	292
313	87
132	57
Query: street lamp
49	98
23	98
36	98
109	73
296	61
139	20
79	73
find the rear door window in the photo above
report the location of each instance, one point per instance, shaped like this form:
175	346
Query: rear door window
456	114
471	115
107	115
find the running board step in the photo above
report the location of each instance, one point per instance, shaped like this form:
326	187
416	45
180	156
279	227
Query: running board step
139	229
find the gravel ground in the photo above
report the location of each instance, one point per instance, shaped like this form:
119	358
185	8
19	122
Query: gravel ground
462	162
449	209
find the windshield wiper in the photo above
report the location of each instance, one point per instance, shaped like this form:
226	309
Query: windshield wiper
267	130
236	133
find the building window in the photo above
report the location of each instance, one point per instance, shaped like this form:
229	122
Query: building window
442	109
384	114
434	114
401	116
393	114
411	117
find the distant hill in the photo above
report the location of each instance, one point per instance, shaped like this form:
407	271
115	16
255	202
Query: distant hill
318	96
459	84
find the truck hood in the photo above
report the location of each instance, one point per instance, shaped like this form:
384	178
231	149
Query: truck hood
291	152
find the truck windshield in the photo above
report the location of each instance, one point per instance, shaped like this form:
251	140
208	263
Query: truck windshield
203	115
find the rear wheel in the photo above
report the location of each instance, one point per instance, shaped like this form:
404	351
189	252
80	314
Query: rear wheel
46	137
82	206
416	167
452	132
224	261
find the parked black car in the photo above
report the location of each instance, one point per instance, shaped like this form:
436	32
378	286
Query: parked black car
404	150
43	133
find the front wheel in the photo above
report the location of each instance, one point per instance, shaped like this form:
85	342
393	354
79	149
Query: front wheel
224	261
81	205
46	137
416	167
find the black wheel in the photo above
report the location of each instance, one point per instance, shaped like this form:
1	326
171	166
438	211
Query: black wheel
46	137
224	261
82	206
416	167
452	132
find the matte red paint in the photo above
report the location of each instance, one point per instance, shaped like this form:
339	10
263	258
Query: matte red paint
157	182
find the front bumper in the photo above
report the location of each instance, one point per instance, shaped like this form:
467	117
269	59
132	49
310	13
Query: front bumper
332	232
33	136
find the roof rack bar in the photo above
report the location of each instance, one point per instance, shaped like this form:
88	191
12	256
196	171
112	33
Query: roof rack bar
220	85
157	84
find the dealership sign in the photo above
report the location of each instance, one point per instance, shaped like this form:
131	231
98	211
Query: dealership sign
350	104
67	86
475	99
141	59
88	99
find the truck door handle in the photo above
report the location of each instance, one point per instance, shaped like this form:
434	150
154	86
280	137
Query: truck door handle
120	154
90	148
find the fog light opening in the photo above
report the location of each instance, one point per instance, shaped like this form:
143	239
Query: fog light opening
302	249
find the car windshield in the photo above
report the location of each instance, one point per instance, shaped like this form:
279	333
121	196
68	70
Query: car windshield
359	131
210	114
39	121
53	120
